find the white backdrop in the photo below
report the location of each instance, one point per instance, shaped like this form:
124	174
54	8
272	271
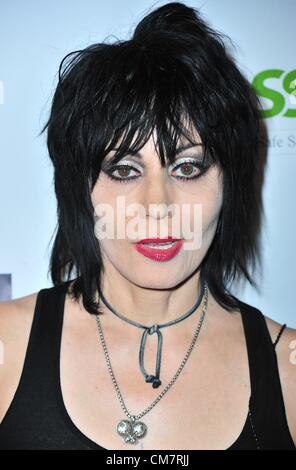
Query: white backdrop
34	37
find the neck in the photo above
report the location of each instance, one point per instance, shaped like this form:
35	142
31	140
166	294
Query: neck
149	306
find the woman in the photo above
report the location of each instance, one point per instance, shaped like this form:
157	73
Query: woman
140	344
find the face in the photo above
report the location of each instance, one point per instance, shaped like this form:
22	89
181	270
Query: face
180	200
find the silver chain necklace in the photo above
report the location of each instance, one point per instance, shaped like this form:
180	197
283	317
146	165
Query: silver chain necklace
131	429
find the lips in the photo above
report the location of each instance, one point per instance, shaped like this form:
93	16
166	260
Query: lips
158	240
159	249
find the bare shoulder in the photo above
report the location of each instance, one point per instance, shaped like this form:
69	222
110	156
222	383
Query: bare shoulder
15	322
19	311
16	318
286	358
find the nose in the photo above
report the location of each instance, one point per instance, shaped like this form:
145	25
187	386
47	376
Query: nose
157	198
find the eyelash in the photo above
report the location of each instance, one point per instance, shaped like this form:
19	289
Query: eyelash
202	167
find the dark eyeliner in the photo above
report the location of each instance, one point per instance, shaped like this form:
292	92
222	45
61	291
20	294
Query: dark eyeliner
109	173
197	164
201	166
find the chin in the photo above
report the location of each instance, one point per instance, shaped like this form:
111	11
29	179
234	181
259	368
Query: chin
155	282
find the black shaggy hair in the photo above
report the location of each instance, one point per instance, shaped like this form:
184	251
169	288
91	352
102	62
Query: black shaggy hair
174	66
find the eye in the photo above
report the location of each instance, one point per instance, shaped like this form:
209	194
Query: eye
189	169
122	173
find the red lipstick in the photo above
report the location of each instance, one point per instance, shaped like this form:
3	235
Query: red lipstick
159	249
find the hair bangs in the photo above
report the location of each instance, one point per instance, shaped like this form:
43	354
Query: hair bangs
147	98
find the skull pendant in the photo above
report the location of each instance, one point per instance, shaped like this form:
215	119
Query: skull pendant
131	430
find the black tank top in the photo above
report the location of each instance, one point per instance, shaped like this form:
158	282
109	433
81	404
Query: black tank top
37	417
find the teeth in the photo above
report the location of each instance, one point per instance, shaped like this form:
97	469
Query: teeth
161	246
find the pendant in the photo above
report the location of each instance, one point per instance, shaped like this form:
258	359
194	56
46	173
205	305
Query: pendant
154	379
131	430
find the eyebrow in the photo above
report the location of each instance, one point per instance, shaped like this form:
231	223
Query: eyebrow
178	150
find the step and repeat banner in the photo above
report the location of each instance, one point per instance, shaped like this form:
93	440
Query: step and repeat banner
35	36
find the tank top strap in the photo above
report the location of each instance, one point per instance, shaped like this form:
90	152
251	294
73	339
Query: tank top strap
43	347
266	405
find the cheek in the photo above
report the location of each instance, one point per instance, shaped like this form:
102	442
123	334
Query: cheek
104	202
102	192
212	200
106	190
206	203
115	250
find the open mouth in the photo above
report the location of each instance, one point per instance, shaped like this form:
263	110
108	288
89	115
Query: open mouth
161	246
159	250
